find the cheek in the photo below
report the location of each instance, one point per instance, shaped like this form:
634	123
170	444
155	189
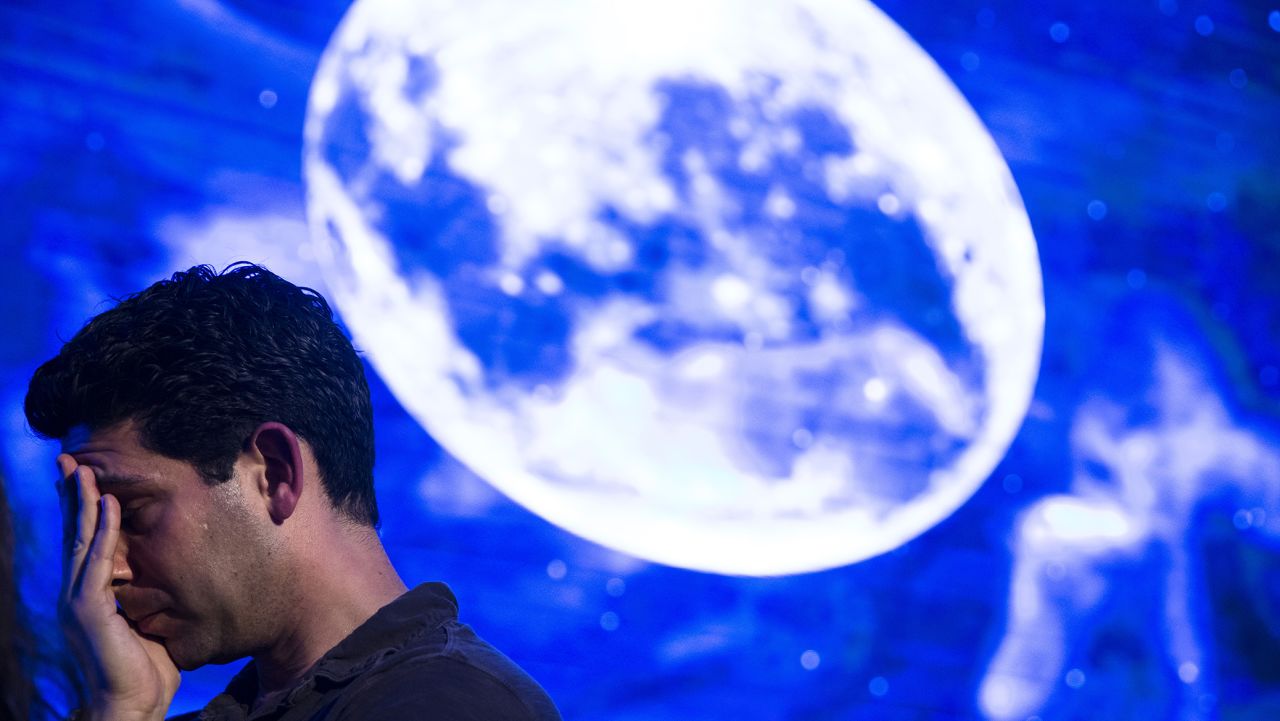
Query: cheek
170	548
166	554
233	544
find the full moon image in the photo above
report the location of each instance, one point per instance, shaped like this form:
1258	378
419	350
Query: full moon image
741	287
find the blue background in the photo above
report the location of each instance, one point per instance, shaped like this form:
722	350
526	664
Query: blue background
139	139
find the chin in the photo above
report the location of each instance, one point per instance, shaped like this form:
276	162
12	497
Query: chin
185	665
185	658
189	655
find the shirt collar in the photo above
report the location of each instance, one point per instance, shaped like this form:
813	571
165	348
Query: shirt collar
422	608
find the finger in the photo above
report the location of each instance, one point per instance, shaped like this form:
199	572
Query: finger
98	564
68	502
86	523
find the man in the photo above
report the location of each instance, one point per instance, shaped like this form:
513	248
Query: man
218	494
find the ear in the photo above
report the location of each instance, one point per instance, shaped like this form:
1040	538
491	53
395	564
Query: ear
284	478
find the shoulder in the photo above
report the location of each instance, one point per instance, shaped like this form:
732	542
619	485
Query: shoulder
446	688
460	679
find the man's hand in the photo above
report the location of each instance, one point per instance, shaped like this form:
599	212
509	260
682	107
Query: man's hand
129	676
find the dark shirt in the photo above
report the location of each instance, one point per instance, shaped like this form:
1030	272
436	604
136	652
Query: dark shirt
411	660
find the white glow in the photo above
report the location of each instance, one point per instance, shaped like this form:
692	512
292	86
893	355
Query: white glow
810	660
1071	549
779	204
701	366
1076	522
557	569
830	299
731	292
549	283
221	236
875	390
1188	672
497	204
511	284
802	437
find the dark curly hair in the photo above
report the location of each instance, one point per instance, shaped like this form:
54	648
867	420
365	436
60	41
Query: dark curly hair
201	360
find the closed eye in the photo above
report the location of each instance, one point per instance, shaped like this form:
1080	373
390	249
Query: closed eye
132	518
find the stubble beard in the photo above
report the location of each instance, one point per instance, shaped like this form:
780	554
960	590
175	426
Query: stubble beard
240	603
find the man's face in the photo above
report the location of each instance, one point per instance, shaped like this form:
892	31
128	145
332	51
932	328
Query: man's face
192	565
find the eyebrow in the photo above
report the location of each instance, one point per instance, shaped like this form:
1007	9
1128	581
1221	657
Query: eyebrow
122	481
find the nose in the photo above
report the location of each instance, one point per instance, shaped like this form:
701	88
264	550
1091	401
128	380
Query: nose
121	573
